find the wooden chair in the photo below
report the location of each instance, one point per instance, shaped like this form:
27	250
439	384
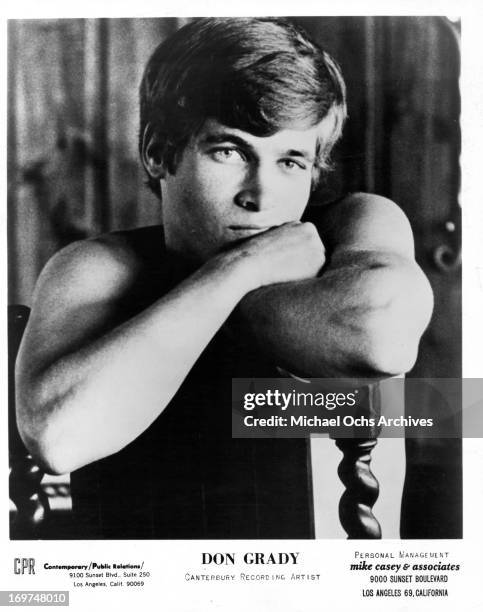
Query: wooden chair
25	475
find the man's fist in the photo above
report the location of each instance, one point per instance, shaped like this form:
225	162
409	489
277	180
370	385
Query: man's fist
289	252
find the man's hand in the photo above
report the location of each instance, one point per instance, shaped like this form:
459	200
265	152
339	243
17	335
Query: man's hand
290	252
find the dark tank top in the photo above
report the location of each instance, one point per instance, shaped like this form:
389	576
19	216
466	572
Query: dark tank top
186	477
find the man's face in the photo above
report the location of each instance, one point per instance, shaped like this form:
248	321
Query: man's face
230	185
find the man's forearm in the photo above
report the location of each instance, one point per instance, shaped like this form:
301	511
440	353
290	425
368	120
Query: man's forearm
84	375
91	402
363	317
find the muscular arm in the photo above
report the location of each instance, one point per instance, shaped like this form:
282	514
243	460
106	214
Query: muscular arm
91	376
87	387
364	314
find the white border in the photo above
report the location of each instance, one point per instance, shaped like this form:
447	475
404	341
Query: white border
337	590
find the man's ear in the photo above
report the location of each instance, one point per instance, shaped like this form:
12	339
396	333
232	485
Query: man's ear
151	154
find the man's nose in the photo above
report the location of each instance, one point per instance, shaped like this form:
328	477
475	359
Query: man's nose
257	191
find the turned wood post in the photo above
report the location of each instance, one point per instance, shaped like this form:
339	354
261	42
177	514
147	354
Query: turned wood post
25	476
27	494
362	488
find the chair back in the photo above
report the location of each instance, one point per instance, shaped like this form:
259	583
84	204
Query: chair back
25	475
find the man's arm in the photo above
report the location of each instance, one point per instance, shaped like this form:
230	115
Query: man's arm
363	316
88	380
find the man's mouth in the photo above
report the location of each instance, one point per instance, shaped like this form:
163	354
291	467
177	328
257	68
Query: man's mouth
259	228
248	230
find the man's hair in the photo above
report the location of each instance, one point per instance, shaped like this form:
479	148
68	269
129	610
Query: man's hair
259	75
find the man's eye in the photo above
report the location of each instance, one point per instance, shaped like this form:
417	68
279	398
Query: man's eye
291	164
228	155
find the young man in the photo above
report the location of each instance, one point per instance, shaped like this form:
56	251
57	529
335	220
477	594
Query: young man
124	374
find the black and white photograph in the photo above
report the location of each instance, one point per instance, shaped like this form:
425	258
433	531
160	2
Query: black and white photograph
195	200
173	271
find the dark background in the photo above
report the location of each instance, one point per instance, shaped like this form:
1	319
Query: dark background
73	168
